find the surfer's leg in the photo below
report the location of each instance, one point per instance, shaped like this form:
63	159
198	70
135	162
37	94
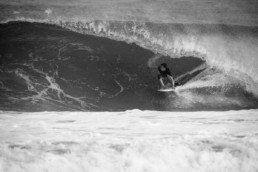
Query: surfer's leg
172	81
161	81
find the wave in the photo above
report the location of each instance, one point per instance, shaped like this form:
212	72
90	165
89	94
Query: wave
226	47
230	48
229	53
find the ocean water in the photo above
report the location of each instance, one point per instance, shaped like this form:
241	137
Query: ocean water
78	86
133	141
66	67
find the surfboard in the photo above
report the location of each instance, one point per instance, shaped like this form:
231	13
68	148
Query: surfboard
166	89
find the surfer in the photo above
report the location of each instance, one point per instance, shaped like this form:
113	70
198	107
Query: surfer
165	73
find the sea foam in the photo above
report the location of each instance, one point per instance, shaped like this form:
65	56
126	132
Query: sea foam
135	141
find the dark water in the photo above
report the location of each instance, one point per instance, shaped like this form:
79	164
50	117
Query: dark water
45	67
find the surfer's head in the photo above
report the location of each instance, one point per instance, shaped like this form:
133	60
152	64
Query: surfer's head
163	66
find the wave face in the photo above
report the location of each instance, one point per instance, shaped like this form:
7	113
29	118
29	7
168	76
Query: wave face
74	67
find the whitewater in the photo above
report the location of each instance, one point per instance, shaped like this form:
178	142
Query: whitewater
78	86
130	141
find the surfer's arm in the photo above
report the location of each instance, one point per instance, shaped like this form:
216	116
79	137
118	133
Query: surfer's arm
168	72
159	69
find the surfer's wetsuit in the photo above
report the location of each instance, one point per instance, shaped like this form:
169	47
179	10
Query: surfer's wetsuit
165	74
